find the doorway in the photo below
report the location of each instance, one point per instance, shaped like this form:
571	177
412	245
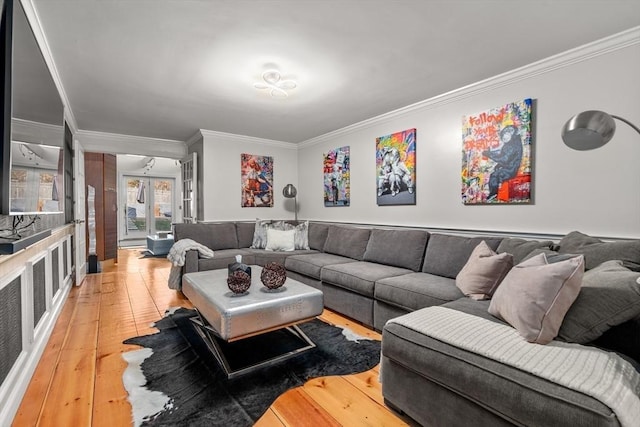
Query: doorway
149	207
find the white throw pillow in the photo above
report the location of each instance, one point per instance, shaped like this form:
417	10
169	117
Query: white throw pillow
280	240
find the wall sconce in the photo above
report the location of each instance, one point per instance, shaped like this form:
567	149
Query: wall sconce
591	129
290	192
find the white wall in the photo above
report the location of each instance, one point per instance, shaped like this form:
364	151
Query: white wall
221	176
596	192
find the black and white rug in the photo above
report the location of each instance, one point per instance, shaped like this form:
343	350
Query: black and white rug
175	380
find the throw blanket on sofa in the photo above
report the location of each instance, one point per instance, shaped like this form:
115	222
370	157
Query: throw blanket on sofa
597	373
177	255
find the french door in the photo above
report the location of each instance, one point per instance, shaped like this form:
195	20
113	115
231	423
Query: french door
149	206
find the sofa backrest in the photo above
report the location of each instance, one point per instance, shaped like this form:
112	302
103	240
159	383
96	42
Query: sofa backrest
213	235
399	248
347	241
245	232
520	248
318	235
446	254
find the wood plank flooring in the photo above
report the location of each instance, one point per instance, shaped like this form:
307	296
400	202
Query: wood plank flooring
78	381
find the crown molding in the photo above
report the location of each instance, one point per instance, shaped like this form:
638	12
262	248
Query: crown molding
37	132
196	137
32	16
113	143
230	137
585	52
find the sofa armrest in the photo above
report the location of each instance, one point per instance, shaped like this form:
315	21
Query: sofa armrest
190	262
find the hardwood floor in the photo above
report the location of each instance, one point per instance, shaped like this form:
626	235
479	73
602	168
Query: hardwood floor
78	381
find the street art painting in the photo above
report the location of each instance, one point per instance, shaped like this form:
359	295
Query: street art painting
496	155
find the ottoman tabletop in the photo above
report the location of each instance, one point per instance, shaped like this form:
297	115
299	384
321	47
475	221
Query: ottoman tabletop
235	317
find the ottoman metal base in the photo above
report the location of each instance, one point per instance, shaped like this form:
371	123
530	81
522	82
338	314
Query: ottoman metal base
217	346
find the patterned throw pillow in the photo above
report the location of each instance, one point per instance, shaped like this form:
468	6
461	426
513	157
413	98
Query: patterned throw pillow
260	233
260	238
301	233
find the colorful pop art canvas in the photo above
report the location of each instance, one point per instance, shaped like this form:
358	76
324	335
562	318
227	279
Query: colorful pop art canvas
337	177
496	155
256	177
396	168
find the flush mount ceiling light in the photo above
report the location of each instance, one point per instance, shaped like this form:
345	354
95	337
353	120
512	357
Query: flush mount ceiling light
274	83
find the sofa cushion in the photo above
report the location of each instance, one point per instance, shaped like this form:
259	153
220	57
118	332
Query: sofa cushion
536	295
359	276
623	338
596	251
520	248
222	258
213	235
400	248
347	241
245	232
263	257
416	290
317	235
608	297
552	256
447	254
411	359
483	272
311	264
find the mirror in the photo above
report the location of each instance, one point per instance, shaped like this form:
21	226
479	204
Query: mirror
34	147
35	175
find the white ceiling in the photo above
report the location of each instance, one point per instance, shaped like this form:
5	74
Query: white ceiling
166	68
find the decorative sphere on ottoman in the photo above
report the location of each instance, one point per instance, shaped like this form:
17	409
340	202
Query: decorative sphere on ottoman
239	282
273	275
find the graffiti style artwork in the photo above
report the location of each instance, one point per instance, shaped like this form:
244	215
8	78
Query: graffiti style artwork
337	190
256	177
396	168
496	155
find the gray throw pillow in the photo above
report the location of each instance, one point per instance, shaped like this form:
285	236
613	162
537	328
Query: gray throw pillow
535	296
609	296
520	248
552	256
596	251
483	272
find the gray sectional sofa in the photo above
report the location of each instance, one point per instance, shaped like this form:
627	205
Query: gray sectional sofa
375	274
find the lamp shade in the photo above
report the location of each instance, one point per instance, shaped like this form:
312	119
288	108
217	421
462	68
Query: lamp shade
588	130
289	191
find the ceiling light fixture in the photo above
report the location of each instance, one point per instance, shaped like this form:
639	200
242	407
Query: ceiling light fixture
274	83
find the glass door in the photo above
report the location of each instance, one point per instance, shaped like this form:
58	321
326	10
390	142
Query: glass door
148	206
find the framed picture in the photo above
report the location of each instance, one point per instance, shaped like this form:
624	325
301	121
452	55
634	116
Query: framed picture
337	191
256	177
496	155
396	168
